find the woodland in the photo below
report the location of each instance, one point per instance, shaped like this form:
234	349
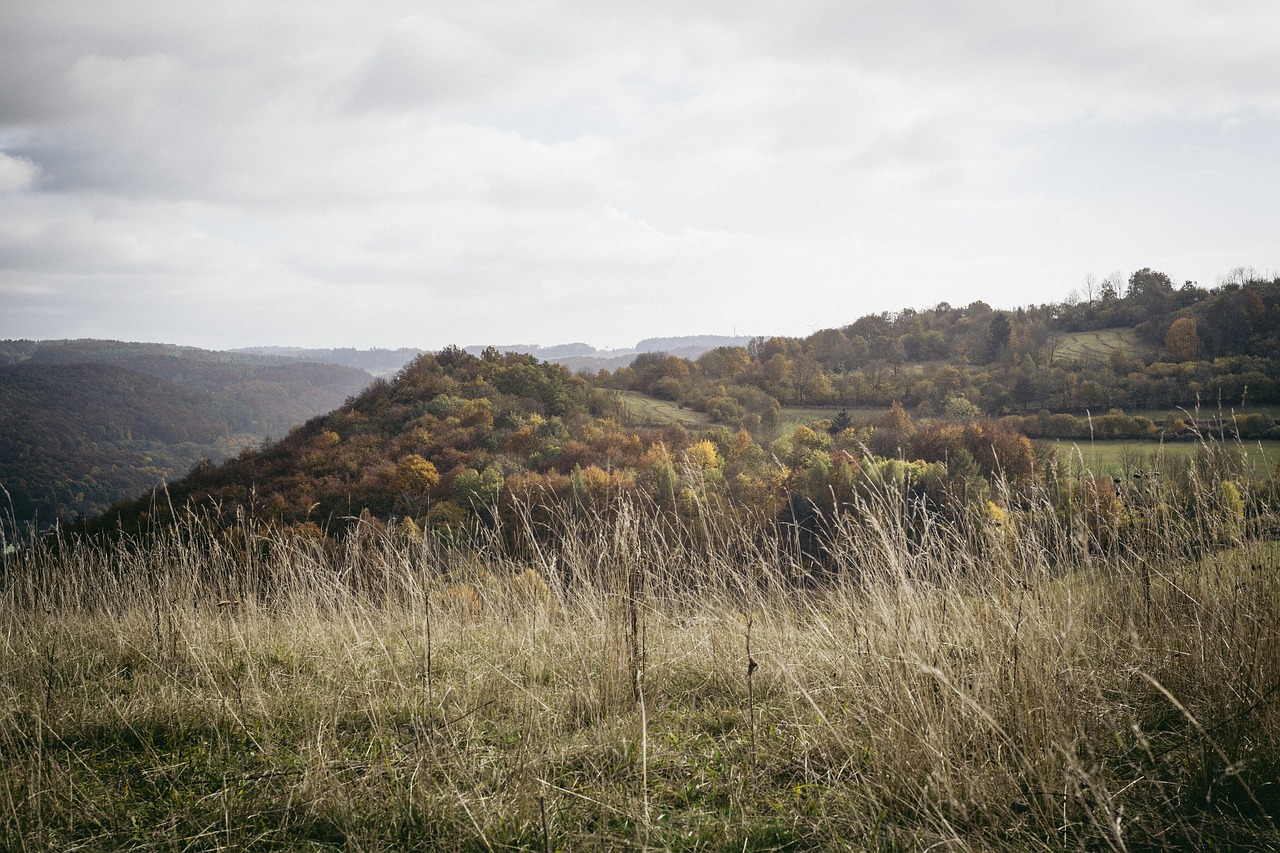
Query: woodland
954	405
86	423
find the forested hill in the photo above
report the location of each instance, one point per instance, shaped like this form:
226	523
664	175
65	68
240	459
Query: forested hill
960	390
1142	344
455	438
86	423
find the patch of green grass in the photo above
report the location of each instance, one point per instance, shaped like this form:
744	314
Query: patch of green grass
1204	414
1110	458
792	416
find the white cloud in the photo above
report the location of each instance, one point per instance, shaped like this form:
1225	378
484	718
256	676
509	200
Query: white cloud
16	173
387	174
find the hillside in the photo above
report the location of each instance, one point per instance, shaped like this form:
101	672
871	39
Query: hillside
1153	348
456	438
86	423
963	389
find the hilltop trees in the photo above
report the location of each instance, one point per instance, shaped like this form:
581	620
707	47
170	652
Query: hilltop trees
1187	344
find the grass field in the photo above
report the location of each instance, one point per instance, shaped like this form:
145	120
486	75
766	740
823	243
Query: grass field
1120	457
650	411
634	686
1204	414
793	416
1099	345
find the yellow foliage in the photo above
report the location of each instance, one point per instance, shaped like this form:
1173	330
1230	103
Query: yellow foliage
704	455
656	455
415	474
521	441
409	529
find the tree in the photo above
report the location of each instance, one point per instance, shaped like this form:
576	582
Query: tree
1090	288
1112	287
1151	291
893	430
840	422
998	335
1182	340
478	490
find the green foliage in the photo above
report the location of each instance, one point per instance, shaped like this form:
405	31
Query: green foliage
478	490
957	408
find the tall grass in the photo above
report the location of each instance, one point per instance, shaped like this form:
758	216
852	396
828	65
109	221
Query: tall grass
1029	680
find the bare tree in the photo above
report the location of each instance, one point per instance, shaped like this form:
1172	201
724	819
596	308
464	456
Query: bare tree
1090	288
1117	282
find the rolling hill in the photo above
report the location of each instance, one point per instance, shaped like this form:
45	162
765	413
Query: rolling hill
86	423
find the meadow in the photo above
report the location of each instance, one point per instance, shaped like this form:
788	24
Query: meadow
650	411
621	679
1098	346
1122	458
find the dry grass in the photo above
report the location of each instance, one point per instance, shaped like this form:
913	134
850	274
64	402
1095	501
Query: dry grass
1099	345
953	685
643	410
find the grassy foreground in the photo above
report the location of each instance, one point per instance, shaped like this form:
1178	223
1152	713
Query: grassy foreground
642	685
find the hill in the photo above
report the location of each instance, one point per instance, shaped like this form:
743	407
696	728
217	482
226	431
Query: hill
454	432
490	603
580	357
455	438
376	362
1154	348
690	346
86	423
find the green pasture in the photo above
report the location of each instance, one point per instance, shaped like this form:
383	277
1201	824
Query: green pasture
1204	414
1099	345
1119	457
650	411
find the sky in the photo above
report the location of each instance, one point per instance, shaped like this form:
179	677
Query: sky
322	173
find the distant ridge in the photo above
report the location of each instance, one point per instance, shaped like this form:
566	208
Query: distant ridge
577	356
378	362
584	357
703	343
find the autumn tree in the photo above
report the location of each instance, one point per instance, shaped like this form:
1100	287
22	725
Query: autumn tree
1182	341
893	430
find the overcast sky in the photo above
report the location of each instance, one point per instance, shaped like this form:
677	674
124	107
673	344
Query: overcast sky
324	173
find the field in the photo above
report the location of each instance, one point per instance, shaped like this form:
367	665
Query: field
792	416
650	411
994	682
1099	345
1112	458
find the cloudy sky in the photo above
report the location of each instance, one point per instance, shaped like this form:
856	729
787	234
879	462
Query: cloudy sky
327	173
